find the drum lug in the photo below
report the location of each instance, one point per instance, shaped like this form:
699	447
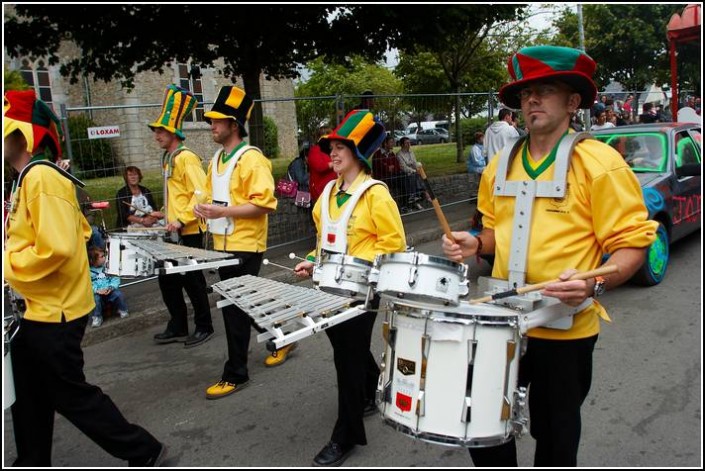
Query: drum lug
413	275
421	404
465	416
519	419
506	405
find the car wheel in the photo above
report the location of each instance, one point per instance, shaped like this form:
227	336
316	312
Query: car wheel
653	270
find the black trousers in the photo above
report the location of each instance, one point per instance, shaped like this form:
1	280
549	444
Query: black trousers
357	373
237	322
194	283
559	374
47	361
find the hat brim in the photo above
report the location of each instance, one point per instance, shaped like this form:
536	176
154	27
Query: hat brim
581	83
209	115
324	144
178	132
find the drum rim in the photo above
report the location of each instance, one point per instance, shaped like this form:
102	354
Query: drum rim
460	310
332	257
402	256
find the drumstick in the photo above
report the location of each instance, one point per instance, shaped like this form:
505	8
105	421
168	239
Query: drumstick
604	270
292	256
434	201
267	262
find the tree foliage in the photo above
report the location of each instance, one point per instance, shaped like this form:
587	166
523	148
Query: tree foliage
628	42
13	80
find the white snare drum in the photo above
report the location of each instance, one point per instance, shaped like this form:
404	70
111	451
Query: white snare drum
450	376
343	275
418	277
124	259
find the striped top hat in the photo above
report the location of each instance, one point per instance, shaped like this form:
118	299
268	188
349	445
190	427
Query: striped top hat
178	103
232	103
23	111
362	130
550	63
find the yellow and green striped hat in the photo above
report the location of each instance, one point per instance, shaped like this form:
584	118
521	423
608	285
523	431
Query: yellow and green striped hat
178	103
232	103
361	129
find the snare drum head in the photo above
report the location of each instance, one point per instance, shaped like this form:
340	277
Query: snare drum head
419	258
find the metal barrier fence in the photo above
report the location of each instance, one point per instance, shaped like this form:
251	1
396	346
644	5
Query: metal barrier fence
439	126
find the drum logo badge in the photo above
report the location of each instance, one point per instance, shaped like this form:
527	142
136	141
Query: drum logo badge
403	402
406	367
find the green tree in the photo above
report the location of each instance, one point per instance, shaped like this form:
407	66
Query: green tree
628	42
12	80
328	79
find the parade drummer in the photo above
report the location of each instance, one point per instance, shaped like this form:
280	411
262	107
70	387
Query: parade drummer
45	260
601	211
354	216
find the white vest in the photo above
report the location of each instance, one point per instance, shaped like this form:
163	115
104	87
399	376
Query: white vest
334	234
221	190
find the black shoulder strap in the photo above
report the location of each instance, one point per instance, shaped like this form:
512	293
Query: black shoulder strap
63	173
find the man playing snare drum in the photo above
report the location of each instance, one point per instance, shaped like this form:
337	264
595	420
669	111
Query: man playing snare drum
45	260
567	234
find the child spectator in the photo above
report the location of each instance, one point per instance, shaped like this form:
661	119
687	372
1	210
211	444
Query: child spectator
105	287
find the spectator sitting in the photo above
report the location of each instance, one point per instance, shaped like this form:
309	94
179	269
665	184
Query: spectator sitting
408	164
298	170
140	207
386	168
476	160
105	287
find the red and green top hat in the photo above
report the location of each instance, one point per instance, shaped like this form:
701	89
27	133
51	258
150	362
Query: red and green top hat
232	103
178	103
34	119
550	63
361	130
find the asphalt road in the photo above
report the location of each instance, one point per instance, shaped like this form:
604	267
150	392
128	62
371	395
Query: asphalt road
644	409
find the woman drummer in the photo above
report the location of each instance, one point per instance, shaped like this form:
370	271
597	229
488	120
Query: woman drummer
355	216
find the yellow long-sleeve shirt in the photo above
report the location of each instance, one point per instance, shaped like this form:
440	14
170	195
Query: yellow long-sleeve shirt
251	182
603	210
187	176
45	257
375	225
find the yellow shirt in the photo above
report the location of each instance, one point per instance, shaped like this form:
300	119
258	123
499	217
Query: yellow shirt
187	176
45	257
251	182
375	225
603	210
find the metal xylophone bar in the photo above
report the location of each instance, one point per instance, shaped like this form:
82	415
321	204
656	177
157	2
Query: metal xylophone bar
180	258
277	307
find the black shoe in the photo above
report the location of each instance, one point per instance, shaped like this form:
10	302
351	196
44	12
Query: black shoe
169	337
197	339
370	409
152	461
332	454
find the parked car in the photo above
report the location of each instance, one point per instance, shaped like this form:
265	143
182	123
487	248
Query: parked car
666	158
429	136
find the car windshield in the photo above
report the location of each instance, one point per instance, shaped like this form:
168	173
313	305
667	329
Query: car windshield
644	152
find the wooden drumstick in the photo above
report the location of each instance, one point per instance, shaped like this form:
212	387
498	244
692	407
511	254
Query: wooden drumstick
434	201
604	270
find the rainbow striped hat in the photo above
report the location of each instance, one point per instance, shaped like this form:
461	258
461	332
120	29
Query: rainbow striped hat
361	129
550	63
178	103
232	103
23	111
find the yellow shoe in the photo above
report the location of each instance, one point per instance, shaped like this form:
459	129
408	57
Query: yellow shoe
223	388
280	356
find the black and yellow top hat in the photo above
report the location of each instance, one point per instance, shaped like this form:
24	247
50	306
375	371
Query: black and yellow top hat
178	103
232	103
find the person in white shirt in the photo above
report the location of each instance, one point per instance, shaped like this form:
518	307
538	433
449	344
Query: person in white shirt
601	121
500	133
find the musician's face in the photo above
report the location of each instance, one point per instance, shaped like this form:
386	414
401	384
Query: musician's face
223	130
342	157
15	147
164	138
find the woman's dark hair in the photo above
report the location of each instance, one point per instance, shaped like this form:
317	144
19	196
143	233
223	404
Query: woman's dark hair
131	168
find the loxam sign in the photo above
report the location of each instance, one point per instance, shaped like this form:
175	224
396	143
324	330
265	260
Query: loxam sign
103	132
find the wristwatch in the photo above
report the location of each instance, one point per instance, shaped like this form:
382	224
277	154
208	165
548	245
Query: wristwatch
599	288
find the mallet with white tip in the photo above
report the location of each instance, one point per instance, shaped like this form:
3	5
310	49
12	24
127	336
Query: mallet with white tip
293	256
267	262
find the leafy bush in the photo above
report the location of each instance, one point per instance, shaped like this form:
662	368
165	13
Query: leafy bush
271	138
90	158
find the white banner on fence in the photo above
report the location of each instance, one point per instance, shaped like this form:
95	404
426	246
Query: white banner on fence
104	132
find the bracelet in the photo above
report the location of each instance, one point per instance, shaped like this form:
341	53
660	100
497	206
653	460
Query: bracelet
478	259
